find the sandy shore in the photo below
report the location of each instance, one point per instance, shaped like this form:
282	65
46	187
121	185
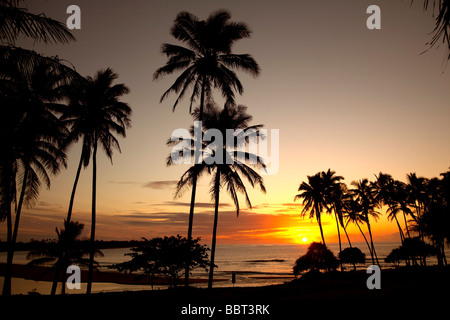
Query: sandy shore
40	273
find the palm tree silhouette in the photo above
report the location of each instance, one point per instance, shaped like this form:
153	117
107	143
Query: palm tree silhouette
393	194
16	20
95	115
364	194
354	213
31	138
417	189
313	195
65	252
17	66
227	161
207	62
434	220
81	117
334	197
442	25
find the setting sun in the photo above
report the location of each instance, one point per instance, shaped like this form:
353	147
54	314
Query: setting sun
304	239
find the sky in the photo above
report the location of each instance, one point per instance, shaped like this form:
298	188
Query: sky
342	96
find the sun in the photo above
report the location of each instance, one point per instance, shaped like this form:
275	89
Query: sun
304	239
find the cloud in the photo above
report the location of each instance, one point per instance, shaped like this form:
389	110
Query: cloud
123	182
160	184
197	204
44	204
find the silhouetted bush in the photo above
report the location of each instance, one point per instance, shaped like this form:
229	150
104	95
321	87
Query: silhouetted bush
167	257
318	257
352	256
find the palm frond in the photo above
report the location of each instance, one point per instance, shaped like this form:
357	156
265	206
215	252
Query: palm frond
15	21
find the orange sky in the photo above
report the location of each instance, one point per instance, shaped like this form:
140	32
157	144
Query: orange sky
342	96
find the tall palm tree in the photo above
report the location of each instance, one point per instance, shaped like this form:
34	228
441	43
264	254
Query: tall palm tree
417	192
417	198
393	194
229	166
206	62
31	139
402	203
354	214
95	116
17	66
334	197
313	195
338	200
364	194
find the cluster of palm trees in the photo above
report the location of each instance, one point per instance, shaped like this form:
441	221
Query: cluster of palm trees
421	205
47	106
206	64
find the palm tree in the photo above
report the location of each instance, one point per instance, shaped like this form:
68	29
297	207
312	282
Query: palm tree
442	25
17	67
384	188
401	197
31	139
63	253
334	197
393	193
227	162
206	62
417	189
313	195
15	21
354	214
364	194
435	219
95	115
339	200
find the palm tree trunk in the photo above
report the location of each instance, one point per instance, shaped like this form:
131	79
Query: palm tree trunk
367	242
7	279
55	280
69	216
194	189
319	221
216	216
19	206
443	253
339	236
190	225
10	254
371	241
346	234
74	188
402	236
92	239
406	225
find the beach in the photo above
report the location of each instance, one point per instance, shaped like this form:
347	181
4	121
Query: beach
424	289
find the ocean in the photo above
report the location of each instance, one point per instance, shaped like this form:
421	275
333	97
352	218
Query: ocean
253	265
